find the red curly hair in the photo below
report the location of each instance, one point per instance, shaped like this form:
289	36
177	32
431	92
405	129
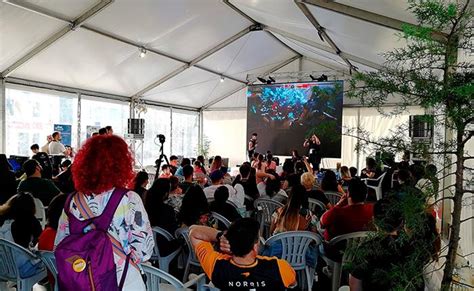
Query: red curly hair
103	162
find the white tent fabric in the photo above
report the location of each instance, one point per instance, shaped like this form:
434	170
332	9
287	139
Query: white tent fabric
190	44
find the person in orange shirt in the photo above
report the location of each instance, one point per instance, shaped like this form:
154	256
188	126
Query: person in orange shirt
238	267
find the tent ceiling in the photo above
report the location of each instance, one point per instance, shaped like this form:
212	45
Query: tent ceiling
104	56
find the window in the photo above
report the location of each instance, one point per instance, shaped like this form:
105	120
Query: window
31	115
100	113
185	133
157	121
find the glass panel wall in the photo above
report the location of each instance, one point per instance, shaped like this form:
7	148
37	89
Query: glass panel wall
185	133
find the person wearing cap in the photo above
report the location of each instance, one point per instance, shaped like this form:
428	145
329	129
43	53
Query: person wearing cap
217	179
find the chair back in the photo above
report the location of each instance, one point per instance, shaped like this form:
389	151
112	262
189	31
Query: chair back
380	179
48	259
294	246
10	254
184	234
265	208
221	220
159	232
333	197
40	213
316	206
351	239
155	276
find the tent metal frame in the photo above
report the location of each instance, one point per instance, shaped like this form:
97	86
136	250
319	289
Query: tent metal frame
79	22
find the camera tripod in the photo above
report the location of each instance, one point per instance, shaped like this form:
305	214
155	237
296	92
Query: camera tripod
159	161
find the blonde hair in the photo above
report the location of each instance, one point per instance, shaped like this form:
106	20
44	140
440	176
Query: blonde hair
307	180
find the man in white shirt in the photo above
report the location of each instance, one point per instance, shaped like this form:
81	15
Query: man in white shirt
56	147
217	179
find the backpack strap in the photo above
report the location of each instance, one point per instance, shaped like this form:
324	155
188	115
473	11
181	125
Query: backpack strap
103	221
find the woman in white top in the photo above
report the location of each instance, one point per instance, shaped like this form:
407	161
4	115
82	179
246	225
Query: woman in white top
101	165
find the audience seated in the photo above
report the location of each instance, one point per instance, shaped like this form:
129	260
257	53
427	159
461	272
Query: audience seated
8	182
64	179
194	207
371	170
377	266
140	182
173	166
161	214
308	181
345	176
166	171
271	164
97	181
201	161
239	257
351	214
221	206
246	181
20	226
184	162
175	195
353	171
217	179
271	188
40	188
188	173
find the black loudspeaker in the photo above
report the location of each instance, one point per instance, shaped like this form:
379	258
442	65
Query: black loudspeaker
136	126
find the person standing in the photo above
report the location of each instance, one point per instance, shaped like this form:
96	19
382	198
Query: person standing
252	145
314	148
56	147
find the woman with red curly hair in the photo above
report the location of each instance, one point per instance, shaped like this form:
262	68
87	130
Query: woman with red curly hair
102	165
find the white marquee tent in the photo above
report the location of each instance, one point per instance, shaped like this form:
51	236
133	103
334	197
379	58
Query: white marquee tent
199	56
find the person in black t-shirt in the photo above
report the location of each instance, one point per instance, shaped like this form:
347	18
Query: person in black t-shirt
314	147
252	145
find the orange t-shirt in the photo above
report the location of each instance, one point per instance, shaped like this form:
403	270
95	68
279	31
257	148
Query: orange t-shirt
265	274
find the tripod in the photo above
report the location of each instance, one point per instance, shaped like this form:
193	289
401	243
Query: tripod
159	161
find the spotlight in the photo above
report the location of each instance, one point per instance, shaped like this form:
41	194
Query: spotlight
271	79
222	79
142	52
262	80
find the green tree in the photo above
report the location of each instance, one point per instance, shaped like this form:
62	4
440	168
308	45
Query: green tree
427	73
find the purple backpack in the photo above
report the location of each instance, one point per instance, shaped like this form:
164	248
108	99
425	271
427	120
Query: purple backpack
85	259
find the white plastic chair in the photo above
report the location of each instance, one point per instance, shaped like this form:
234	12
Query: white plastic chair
221	219
49	261
11	256
163	261
265	208
316	206
191	258
350	238
333	197
295	244
40	213
378	188
155	276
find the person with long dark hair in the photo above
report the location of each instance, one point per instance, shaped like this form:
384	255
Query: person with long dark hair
8	182
314	151
194	207
139	183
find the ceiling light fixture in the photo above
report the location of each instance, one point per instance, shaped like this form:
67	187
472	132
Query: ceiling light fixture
142	52
222	79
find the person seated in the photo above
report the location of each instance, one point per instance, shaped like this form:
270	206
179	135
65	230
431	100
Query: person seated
260	166
184	162
201	161
21	227
378	261
165	171
371	171
308	181
139	184
162	214
8	184
64	179
221	206
188	173
35	148
40	188
194	208
47	237
329	183
353	171
345	176
293	215
175	197
351	214
271	188
271	164
246	181
238	267
217	179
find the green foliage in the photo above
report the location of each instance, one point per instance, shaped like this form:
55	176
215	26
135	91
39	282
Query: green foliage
203	149
425	72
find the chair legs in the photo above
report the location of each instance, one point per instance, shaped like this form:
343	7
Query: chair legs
336	276
186	270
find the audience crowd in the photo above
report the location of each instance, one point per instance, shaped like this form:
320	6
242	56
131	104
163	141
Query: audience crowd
186	193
